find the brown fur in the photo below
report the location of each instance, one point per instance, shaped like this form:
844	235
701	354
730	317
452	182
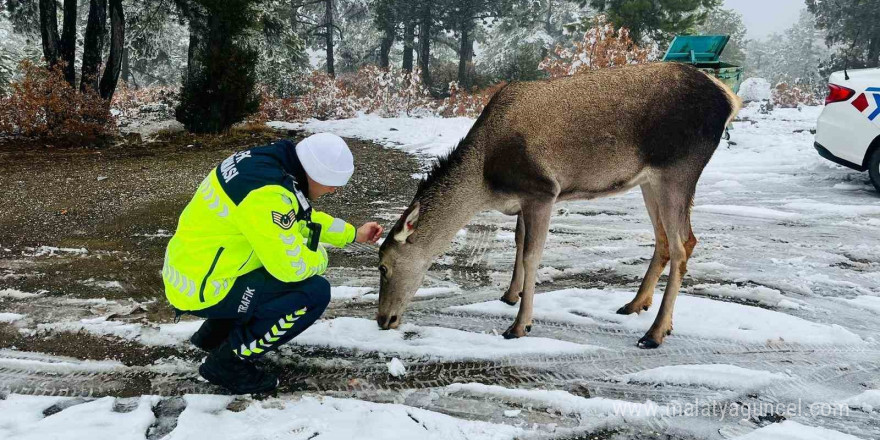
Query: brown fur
581	137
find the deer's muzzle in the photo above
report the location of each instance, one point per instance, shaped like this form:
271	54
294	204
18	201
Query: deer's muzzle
387	322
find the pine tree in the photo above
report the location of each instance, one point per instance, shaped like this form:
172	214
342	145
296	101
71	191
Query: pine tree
462	17
156	43
794	56
722	21
524	37
219	88
655	19
282	58
852	28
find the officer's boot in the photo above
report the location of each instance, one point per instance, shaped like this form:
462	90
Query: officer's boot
224	368
212	333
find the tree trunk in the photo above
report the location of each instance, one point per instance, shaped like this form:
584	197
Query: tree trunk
68	42
191	49
49	32
328	28
198	37
385	46
114	60
465	55
874	52
548	28
93	45
126	70
425	45
409	31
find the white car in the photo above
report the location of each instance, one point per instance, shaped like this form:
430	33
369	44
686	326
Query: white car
848	130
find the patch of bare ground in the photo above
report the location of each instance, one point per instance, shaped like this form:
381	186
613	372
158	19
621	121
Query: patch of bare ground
82	345
121	204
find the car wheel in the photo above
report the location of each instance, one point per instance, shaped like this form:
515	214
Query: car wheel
874	169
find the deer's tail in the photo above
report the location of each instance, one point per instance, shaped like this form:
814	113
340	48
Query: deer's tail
735	101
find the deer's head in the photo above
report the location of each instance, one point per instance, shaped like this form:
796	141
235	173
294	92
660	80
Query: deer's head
403	261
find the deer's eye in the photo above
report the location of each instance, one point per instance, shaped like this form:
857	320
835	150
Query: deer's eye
383	270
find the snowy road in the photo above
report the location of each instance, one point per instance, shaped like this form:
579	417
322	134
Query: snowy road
776	330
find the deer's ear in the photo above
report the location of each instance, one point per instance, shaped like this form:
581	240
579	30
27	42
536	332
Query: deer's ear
409	225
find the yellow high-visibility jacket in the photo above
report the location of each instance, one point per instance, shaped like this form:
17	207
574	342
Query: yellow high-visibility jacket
242	217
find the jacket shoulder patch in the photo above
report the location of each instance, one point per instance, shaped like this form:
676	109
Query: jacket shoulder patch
285	221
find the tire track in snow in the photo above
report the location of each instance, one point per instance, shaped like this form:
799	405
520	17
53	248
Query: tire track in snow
368	374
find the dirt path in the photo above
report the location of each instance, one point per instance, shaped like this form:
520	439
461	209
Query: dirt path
93	223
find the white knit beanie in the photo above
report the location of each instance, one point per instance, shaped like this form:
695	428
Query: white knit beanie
326	159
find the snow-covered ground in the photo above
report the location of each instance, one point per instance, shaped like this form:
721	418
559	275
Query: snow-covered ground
431	136
788	259
205	416
777	321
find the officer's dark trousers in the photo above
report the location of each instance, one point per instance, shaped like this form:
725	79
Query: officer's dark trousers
267	312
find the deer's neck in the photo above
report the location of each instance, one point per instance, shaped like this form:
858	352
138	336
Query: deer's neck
450	203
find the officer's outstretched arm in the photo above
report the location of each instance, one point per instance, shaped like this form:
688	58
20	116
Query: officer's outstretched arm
334	231
266	218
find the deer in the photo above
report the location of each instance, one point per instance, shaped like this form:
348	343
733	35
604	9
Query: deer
580	137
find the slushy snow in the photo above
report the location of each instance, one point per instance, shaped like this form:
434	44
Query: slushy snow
396	368
207	416
369	294
10	317
867	401
789	430
715	376
23	419
587	409
413	341
728	320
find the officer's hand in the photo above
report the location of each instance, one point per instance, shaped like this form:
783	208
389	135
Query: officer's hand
370	232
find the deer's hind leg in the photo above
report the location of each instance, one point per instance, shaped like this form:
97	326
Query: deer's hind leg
516	283
645	295
675	205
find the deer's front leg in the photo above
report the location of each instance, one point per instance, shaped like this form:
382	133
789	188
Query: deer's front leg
536	218
516	283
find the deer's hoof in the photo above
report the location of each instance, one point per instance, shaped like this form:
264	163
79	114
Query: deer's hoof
648	342
510	302
514	333
629	309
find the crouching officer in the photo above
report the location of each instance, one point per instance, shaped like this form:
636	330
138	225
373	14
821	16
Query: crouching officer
248	254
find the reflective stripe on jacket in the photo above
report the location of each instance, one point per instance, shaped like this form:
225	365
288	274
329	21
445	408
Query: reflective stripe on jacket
243	217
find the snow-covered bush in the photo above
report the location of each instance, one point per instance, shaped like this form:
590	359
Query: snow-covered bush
41	104
387	92
324	98
370	90
783	95
462	103
601	46
384	92
754	89
793	95
131	104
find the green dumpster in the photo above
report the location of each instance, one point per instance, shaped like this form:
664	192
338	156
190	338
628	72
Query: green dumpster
702	52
